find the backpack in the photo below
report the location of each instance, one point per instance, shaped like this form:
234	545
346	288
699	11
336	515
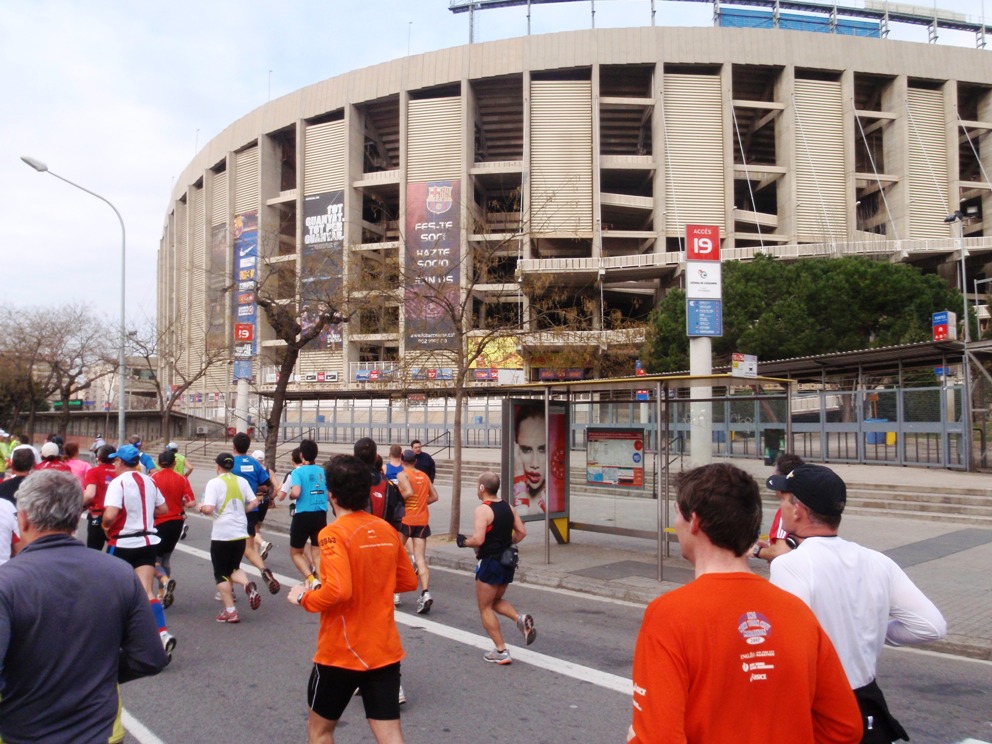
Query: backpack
395	506
377	495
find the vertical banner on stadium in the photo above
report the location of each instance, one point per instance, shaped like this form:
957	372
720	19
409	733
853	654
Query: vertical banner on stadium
433	264
320	277
245	284
216	287
535	487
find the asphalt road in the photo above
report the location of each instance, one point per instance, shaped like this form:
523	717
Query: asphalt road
247	682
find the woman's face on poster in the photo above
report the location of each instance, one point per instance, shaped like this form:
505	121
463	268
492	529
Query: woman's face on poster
532	445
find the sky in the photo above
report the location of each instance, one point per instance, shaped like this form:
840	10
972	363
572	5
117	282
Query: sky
117	96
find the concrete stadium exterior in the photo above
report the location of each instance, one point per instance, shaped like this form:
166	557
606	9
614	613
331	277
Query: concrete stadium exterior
582	156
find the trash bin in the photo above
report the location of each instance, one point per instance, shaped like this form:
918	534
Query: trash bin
875	437
774	442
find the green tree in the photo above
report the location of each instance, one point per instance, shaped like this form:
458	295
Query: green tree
776	309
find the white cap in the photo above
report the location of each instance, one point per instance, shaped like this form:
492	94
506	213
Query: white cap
173	446
49	449
258	455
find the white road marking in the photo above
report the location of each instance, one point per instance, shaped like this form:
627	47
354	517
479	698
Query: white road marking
972	741
138	730
549	663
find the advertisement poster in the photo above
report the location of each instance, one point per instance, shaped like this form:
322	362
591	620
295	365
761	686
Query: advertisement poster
216	288
538	482
433	264
245	283
615	457
320	278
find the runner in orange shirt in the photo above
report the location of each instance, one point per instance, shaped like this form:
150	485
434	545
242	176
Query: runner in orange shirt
417	491
362	563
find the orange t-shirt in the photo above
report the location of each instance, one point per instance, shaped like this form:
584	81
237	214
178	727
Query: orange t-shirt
362	564
729	658
416	505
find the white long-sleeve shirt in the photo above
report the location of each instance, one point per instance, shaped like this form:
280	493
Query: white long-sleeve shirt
862	599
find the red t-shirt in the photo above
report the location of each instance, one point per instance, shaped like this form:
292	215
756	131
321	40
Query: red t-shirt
53	465
177	492
99	476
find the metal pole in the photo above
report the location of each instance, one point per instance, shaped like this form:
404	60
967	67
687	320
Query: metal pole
121	357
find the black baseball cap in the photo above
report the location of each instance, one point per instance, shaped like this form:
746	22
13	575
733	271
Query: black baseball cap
225	460
819	488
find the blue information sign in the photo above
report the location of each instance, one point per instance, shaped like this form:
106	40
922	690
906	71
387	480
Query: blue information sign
704	317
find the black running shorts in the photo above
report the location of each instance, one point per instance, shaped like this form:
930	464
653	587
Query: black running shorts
422	531
331	689
168	533
253	520
136	557
225	556
306	526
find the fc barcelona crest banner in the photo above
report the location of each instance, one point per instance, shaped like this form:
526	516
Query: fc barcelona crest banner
433	264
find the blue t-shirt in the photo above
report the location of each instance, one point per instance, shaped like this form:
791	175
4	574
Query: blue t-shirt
251	470
313	488
247	467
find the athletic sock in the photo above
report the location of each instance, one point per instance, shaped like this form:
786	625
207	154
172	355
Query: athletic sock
159	614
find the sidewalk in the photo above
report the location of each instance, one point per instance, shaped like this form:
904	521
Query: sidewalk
949	562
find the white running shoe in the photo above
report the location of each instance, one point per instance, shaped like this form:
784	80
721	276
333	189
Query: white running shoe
396	600
168	642
424	603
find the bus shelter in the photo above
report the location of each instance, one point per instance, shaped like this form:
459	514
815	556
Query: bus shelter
623	485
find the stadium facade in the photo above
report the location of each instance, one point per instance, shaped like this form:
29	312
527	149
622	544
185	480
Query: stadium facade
581	156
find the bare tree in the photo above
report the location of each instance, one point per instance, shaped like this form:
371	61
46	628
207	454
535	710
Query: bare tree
59	351
153	348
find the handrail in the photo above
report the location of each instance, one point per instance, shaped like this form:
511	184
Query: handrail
308	433
202	446
446	434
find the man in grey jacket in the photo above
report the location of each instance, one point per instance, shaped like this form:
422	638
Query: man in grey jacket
74	623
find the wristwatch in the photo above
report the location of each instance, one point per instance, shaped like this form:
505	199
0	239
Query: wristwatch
757	551
299	597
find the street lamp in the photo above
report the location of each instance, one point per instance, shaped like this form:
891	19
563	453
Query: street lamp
122	359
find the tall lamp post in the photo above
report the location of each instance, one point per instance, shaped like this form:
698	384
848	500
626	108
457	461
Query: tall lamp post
122	358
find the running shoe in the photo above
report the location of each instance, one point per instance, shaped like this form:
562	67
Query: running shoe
313	583
182	535
254	598
402	695
270	581
167	598
396	600
424	603
264	552
168	642
498	657
525	624
228	617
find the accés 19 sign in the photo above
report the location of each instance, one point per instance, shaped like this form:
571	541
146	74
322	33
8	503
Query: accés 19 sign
244	331
702	243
